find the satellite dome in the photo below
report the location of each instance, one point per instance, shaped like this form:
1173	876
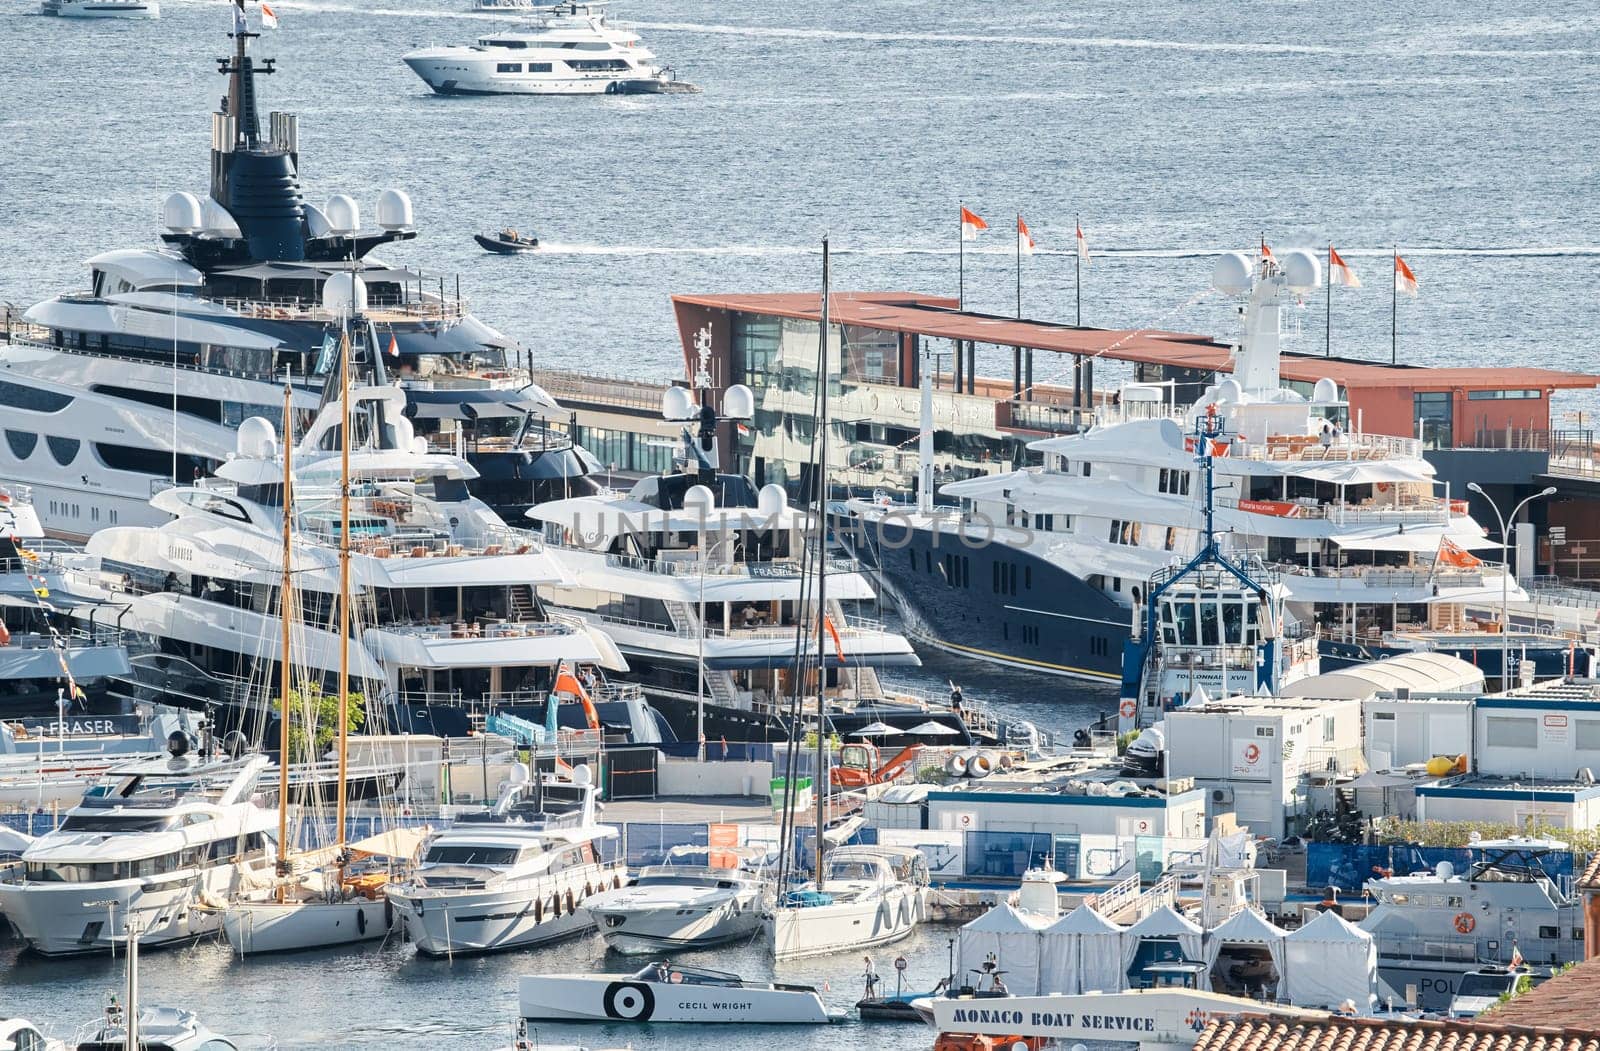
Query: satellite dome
1231	274
181	214
677	404
1230	391
256	438
403	433
739	402
582	776
343	213
317	224
394	210
699	498
1302	270
1326	392
217	220
771	500
344	291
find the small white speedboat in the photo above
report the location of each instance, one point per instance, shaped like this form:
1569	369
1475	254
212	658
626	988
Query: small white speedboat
663	993
674	907
101	8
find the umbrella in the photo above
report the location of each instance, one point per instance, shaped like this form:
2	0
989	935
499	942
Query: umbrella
874	730
933	729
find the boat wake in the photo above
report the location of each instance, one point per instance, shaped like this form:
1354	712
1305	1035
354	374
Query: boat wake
1004	247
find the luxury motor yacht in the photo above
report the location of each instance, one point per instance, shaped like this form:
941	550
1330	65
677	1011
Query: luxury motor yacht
178	345
154	840
515	876
147	9
1042	568
574	49
868	896
1434	928
679	906
447	617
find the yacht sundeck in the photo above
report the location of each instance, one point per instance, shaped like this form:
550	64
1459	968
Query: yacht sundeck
574	49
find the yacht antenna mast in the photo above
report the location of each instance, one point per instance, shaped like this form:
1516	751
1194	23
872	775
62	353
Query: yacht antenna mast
822	567
283	657
344	577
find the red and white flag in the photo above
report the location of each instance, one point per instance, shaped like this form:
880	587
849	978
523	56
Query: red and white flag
394	346
269	17
1405	282
1083	246
1024	238
1339	272
971	223
1266	250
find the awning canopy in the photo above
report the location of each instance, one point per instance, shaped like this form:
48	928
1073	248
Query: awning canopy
1383	539
309	271
1364	472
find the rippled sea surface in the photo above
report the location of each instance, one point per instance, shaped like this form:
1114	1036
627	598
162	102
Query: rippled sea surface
1465	134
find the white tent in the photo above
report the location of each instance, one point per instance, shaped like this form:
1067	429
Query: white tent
1329	961
1247	927
1083	953
1013	936
1166	923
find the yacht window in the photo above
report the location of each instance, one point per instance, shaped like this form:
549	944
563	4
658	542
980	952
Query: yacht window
1233	623
115	823
1188	625
1172	537
514	45
22	443
453	854
1549	932
539	67
129	458
65	450
16	396
508	67
1208	624
596	64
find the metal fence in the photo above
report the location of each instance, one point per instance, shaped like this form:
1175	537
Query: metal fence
1348	866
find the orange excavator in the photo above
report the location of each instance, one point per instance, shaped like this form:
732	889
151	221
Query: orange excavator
859	767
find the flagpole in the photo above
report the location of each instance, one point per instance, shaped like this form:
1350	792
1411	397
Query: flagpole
1394	306
1077	267
961	257
1019	266
1327	327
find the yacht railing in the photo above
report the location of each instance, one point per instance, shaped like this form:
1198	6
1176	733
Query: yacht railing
494	629
1383	577
378	309
688	567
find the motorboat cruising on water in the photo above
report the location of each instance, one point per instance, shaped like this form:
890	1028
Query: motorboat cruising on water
153	841
663	992
448	618
574	49
239	293
1368	544
146	9
1434	928
514	876
869	895
507	242
677	906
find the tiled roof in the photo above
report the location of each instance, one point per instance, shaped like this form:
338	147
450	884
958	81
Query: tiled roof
1371	1034
1590	880
1570	1000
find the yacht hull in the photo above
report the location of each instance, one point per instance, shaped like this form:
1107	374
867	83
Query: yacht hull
845	926
621	998
73	919
268	926
446	923
94	10
450	77
633	924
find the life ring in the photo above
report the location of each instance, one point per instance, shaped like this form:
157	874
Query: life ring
1382	487
1127	708
1465	922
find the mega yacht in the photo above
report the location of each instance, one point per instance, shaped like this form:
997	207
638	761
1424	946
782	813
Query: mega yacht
447	615
139	381
515	876
146	9
867	896
1042	568
154	841
1432	929
573	49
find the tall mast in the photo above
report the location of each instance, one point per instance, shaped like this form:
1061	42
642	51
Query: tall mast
822	566
283	658
344	581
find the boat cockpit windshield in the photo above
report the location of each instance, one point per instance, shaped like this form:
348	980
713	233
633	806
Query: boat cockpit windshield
675	975
140	790
1481	983
859	870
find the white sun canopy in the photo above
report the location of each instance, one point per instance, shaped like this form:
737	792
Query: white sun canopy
1421	541
1329	961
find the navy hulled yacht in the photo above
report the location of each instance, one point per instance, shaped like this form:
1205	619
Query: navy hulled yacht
139	381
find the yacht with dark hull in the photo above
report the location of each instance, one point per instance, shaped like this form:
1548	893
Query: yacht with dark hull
139	381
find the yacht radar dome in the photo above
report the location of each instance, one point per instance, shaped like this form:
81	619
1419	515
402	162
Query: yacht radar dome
1230	391
257	440
678	404
343	213
344	291
1302	270
699	498
771	500
394	210
1326	392
317	224
181	214
1231	274
217	221
738	402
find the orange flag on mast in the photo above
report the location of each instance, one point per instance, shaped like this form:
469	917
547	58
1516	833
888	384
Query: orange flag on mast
1024	238
1405	282
1339	272
971	223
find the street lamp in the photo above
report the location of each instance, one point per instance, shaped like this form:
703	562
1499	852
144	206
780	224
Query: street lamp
1505	573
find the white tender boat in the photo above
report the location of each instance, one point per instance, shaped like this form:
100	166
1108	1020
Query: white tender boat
101	8
660	993
19	1034
869	896
676	906
513	877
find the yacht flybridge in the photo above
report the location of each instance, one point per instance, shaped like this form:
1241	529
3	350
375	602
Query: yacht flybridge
573	49
238	295
1057	557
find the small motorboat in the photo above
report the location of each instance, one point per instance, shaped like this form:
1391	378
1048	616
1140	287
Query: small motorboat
669	993
507	242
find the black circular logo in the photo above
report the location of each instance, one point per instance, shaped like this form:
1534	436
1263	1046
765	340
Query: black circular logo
629	1002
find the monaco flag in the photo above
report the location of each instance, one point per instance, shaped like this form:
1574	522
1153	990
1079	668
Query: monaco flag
269	17
1405	281
1339	272
1024	238
1083	246
971	223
